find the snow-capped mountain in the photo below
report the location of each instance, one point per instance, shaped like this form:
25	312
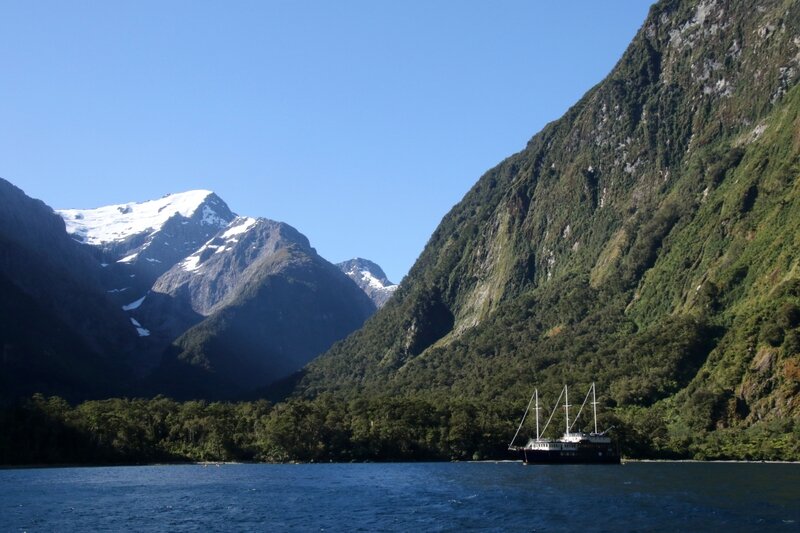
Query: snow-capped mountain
121	222
250	306
142	240
209	276
371	278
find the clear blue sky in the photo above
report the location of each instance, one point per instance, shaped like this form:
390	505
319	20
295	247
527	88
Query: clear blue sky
361	123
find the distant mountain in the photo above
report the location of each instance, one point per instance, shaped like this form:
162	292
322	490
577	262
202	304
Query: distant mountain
646	240
264	304
370	277
59	332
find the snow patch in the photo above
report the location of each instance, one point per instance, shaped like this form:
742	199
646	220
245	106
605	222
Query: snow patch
143	332
128	258
211	218
191	263
114	223
367	278
239	226
134	305
371	280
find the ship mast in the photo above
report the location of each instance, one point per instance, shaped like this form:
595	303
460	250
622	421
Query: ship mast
594	407
566	408
590	392
536	393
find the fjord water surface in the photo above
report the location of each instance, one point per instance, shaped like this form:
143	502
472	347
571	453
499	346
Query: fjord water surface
403	496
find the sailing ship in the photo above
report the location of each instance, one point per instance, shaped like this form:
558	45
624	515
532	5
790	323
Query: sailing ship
574	447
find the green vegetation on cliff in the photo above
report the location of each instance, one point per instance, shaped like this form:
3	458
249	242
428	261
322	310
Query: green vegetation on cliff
647	240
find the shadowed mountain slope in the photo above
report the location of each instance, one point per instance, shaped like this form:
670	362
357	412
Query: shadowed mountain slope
59	333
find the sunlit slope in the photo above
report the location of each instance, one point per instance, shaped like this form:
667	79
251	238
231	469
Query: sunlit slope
647	240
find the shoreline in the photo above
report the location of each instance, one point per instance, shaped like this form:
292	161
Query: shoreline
737	461
496	461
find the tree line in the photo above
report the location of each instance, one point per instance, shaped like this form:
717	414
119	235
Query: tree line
48	430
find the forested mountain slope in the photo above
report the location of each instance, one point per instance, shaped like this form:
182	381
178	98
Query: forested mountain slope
647	240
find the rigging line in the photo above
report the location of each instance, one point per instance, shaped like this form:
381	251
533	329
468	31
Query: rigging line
555	408
581	409
523	418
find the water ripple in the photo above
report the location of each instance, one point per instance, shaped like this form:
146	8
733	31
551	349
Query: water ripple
402	497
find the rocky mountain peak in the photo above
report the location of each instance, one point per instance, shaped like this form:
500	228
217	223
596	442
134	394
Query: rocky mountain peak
139	241
212	275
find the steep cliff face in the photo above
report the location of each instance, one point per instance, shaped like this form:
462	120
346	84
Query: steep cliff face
647	239
207	279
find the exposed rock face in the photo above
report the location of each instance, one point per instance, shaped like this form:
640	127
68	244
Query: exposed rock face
139	241
211	277
264	304
371	278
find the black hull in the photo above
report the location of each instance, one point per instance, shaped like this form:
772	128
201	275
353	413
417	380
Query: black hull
583	456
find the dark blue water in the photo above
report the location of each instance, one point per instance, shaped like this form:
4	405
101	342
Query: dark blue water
402	497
